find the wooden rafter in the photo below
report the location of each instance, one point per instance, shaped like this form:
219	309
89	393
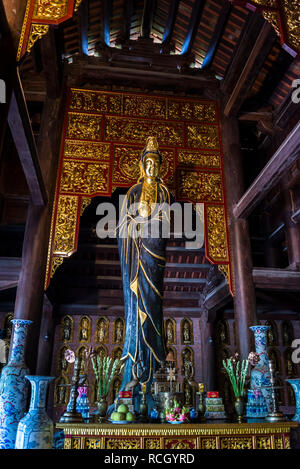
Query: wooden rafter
217	35
147	18
20	127
193	26
281	161
52	64
173	9
245	79
126	23
248	36
84	24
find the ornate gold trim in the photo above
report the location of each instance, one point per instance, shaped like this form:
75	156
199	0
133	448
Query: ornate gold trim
263	428
37	31
23	31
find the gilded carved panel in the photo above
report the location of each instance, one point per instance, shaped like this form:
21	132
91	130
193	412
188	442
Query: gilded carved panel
203	136
200	158
49	9
152	443
122	443
180	443
149	106
192	110
93	443
93	101
105	133
87	178
196	185
84	126
66	220
217	247
236	443
87	150
208	443
39	15
127	130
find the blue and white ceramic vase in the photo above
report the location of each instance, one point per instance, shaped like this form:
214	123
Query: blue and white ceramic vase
295	383
260	374
14	386
35	430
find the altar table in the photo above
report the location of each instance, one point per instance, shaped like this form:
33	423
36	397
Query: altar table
258	435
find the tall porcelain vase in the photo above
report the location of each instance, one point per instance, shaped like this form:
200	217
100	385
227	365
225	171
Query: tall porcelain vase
260	374
35	430
14	386
295	383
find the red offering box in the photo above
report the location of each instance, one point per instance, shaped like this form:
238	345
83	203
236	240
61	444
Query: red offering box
212	394
124	394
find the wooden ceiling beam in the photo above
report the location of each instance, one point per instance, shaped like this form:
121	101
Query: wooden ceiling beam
124	35
109	310
281	161
276	279
169	28
217	34
21	130
7	284
246	78
82	71
248	36
193	26
217	298
274	76
52	63
95	280
107	11
147	18
84	25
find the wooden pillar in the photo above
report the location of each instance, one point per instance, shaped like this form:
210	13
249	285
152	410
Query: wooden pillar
46	340
30	291
6	71
29	298
207	353
292	231
15	12
244	300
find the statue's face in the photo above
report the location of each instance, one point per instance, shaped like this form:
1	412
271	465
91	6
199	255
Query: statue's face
151	165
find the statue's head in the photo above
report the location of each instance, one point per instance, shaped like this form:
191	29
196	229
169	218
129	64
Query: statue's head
151	159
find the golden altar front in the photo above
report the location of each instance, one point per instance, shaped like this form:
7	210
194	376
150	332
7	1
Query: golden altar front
262	435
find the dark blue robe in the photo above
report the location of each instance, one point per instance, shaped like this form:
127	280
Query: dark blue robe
142	264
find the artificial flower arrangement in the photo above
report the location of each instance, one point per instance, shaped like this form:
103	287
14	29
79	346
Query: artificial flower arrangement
105	368
237	371
177	414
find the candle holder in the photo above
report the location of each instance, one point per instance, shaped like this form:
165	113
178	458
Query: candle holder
201	407
71	415
143	408
274	415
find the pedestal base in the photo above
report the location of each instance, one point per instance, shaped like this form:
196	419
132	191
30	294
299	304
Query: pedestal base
262	435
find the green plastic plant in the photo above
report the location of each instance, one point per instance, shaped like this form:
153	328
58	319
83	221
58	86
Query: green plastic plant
105	370
237	372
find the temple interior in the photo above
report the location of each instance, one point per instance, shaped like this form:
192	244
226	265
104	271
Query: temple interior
207	92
